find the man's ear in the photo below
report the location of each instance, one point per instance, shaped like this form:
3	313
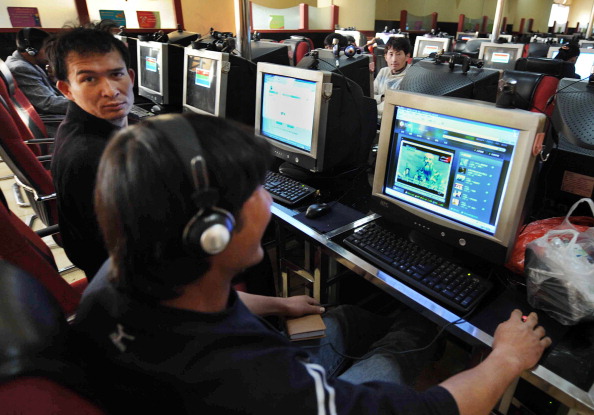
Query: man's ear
132	74
64	88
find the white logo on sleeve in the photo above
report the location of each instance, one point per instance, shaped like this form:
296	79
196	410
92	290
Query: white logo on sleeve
118	336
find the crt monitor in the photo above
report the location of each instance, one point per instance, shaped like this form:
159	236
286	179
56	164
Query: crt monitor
424	46
317	121
584	63
357	67
500	55
466	35
159	66
427	77
131	43
219	84
271	52
456	172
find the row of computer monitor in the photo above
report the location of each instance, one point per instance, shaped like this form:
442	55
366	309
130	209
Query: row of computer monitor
460	173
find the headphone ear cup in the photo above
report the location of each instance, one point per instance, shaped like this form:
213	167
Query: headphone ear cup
31	51
208	233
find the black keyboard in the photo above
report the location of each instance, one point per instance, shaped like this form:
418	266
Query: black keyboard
441	280
138	113
285	190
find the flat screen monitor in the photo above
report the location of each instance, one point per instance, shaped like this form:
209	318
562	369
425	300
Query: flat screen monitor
159	66
584	62
302	114
357	68
456	171
424	46
438	79
500	55
219	84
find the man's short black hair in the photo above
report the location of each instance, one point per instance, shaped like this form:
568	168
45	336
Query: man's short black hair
85	42
35	39
398	44
144	199
342	40
568	51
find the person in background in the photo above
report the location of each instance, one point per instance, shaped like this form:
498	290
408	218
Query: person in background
27	65
570	52
397	52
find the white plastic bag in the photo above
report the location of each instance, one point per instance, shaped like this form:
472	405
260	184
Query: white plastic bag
560	271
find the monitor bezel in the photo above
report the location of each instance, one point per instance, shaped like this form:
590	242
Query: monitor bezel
163	71
518	47
499	244
314	159
466	35
444	40
223	66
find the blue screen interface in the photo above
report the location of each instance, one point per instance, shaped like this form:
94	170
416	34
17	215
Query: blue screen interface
449	166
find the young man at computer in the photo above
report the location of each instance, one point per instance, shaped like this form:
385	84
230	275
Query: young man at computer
27	65
396	52
165	329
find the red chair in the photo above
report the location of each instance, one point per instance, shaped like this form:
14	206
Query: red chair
298	48
29	172
35	123
38	374
21	246
533	90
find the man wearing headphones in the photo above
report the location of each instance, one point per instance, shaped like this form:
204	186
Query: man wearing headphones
27	65
181	204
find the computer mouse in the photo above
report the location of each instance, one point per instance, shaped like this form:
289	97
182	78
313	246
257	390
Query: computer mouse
317	210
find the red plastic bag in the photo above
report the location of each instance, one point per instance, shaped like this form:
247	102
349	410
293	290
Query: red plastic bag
536	230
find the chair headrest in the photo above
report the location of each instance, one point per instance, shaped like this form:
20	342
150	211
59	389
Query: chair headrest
554	67
32	326
525	87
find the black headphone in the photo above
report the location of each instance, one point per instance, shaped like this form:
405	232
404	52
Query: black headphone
26	44
209	230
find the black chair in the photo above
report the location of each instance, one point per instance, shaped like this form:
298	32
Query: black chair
555	67
37	374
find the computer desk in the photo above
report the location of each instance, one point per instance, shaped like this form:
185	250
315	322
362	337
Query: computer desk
566	372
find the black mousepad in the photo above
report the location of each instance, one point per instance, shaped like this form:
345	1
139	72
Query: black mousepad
339	215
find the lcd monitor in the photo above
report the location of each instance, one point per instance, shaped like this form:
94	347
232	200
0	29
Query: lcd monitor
584	63
438	79
219	84
500	56
456	172
317	121
424	46
159	67
466	35
357	68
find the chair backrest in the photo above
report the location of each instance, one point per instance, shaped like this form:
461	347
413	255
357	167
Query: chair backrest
533	90
24	248
24	131
37	374
23	106
297	48
553	67
29	171
537	50
473	47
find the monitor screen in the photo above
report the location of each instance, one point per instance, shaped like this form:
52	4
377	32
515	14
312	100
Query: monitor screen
159	68
302	114
204	85
466	35
424	46
460	170
149	65
500	56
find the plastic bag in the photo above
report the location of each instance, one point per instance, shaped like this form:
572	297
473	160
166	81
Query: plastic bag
537	229
559	267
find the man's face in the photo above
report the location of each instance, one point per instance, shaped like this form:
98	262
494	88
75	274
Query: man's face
396	59
245	248
100	84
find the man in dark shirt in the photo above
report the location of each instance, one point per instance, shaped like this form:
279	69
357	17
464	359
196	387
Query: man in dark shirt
27	65
182	207
93	73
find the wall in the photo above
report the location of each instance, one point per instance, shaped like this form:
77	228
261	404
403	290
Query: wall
580	11
353	13
164	7
53	14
